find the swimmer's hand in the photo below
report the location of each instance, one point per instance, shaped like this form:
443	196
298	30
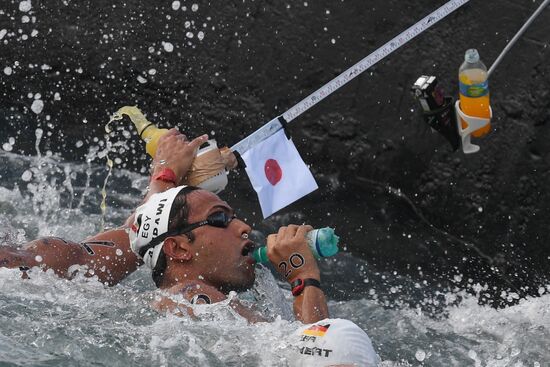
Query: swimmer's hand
290	255
176	152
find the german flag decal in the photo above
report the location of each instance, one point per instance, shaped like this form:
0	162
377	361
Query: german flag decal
316	330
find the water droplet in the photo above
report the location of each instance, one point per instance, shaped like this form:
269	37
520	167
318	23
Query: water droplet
26	176
420	355
25	6
8	70
37	106
194	7
176	5
38	258
118	252
168	47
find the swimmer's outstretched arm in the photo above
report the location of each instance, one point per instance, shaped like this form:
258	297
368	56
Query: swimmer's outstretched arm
12	258
288	252
106	255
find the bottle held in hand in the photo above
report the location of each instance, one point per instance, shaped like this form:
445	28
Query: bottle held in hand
322	242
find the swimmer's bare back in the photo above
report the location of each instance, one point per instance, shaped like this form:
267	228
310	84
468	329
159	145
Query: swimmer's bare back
106	256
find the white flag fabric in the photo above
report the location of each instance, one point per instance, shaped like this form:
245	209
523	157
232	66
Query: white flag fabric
277	173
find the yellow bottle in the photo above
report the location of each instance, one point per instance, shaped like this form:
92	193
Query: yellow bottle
208	169
474	90
147	131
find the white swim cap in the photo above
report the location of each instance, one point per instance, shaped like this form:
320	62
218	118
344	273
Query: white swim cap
332	342
150	221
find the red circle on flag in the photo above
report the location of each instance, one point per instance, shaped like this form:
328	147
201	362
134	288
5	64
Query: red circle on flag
273	171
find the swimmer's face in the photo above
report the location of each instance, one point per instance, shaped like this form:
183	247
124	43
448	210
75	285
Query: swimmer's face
223	257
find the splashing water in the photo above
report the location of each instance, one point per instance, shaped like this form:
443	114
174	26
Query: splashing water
109	146
50	321
103	204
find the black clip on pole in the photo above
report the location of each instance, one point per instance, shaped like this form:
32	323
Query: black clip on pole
437	109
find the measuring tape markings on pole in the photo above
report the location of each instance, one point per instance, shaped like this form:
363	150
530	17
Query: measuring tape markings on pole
273	126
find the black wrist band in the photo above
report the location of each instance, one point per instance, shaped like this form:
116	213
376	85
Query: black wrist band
299	284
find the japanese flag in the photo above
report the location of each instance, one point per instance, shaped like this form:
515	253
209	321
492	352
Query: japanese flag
277	173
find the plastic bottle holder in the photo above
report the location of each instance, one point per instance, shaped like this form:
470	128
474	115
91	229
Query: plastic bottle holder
217	180
215	183
474	123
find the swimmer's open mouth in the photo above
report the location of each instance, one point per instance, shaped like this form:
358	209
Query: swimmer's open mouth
247	249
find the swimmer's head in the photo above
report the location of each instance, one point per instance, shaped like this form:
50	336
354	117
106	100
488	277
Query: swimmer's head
188	233
332	342
162	213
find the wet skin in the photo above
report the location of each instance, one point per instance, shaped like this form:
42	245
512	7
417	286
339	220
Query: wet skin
219	257
106	255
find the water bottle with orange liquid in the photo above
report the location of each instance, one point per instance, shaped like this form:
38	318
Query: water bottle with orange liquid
474	90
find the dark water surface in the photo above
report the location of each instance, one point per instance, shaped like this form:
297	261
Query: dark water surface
46	321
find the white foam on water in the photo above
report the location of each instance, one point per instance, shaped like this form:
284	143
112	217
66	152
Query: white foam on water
83	322
467	334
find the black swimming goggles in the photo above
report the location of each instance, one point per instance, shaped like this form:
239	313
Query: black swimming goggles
218	219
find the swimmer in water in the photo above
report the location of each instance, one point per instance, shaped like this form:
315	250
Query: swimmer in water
190	239
106	255
197	247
